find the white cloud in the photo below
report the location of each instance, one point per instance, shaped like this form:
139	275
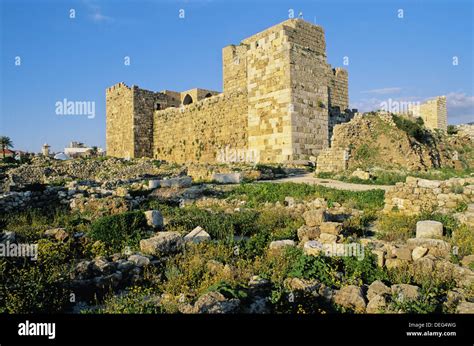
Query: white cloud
95	13
383	91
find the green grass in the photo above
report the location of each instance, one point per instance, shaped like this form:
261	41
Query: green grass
257	194
389	177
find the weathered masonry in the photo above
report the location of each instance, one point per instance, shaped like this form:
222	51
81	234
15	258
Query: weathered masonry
279	103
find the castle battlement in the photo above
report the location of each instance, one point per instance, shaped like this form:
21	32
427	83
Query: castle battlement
280	99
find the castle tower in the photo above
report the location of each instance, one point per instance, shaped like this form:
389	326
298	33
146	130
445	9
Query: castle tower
291	90
45	149
433	112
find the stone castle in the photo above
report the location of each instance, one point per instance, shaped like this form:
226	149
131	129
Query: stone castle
280	102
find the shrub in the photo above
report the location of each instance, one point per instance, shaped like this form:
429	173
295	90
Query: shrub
136	300
463	238
414	129
396	226
452	130
119	231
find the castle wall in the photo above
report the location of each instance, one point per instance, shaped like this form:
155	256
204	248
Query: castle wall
234	68
280	100
309	75
197	132
119	121
269	94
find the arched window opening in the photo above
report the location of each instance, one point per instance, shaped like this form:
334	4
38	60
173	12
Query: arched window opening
187	100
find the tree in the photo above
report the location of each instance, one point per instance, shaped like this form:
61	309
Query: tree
5	143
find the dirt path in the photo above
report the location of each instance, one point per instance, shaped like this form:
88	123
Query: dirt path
309	178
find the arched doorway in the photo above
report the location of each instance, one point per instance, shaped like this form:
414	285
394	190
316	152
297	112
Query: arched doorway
187	100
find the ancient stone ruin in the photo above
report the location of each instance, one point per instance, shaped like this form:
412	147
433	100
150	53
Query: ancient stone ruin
279	103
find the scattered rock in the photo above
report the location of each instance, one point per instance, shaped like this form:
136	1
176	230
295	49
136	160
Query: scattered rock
312	248
351	297
331	227
227	178
418	252
465	308
59	234
314	217
215	303
429	229
358	173
139	260
376	305
406	292
153	184
197	235
177	182
154	219
306	233
403	253
392	263
7	237
163	244
377	288
279	244
436	247
327	238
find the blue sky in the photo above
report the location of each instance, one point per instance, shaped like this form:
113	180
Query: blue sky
407	59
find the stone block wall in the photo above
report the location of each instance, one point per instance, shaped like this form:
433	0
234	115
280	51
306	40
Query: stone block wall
269	94
196	133
309	93
418	195
234	68
433	112
290	95
332	160
119	121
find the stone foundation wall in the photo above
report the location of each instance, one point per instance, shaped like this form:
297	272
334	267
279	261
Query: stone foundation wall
418	195
197	132
332	160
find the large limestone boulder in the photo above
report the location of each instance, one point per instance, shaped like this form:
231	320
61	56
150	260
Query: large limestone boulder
312	248
154	218
377	288
306	233
162	244
418	252
314	217
197	235
429	229
215	303
406	292
436	247
351	297
376	305
331	227
227	178
280	244
360	174
177	182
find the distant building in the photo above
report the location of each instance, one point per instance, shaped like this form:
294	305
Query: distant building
6	153
78	149
45	149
